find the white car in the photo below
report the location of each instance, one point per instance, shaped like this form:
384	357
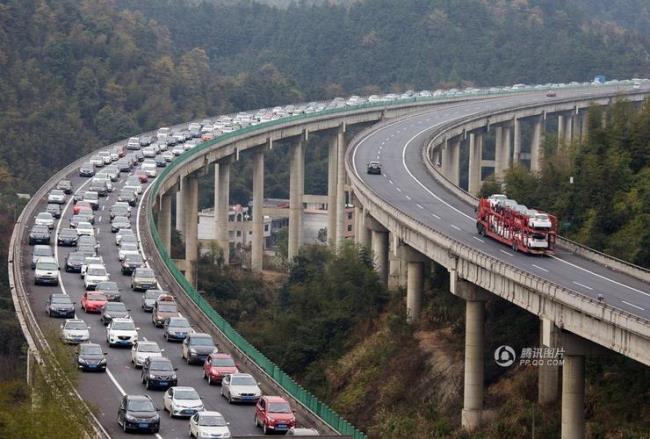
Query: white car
46	271
85	228
121	233
44	219
56	196
209	424
148	152
89	261
95	273
150	169
121	332
75	331
143	350
182	401
127	249
178	150
136	187
240	387
168	156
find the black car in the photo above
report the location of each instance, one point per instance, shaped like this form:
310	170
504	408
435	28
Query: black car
113	310
91	357
110	290
130	263
139	155
87	170
68	237
54	209
176	328
374	168
39	235
60	305
149	299
160	161
137	412
74	261
197	346
158	372
65	186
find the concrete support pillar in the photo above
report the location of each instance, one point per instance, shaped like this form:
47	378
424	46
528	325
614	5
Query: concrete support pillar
473	385
191	226
560	129
332	181
603	118
507	147
475	153
414	288
568	128
257	244
296	191
165	221
549	376
454	160
180	195
340	186
576	129
516	151
498	151
380	253
222	206
573	397
536	145
361	233
584	133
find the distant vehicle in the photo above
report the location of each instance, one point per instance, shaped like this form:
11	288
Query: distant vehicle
551	94
176	328
95	273
40	251
92	301
46	271
44	219
121	332
240	387
143	350
137	412
114	310
158	372
143	279
119	222
85	228
374	167
110	290
74	261
65	186
130	263
149	299
182	401
60	305
56	196
165	307
209	424
87	170
39	235
599	80
218	365
75	331
197	346
91	357
273	413
54	210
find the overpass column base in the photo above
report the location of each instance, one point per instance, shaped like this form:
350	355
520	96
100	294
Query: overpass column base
414	287
549	376
165	221
380	253
573	397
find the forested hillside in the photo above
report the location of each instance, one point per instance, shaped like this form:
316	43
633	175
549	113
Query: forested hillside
384	44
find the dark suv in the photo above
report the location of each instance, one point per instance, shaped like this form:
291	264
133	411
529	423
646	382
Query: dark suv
39	235
137	412
60	305
158	372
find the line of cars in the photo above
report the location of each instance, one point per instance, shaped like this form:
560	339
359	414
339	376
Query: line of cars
102	295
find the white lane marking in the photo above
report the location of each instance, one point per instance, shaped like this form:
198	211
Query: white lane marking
398	189
408	198
377	156
633	305
435	216
115	382
454	226
478	239
601	276
99	220
582	285
103	207
391	181
419	205
505	252
540	268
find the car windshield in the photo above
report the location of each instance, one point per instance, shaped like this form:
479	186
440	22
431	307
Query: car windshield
40	229
42	251
141	405
186	394
167	307
68	232
212	421
202	341
97	297
107	286
47	265
92	271
152	294
279	407
44	215
144	273
84	225
179	323
56	192
59	299
134	259
90	350
161	365
148	347
223	362
115	306
129	247
76	257
91	196
124	326
243	381
76	325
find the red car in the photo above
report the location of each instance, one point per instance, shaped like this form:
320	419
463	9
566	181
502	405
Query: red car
273	413
93	301
142	176
79	204
216	366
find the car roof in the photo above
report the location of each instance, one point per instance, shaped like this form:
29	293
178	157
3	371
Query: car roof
46	259
137	397
200	335
271	398
59	295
